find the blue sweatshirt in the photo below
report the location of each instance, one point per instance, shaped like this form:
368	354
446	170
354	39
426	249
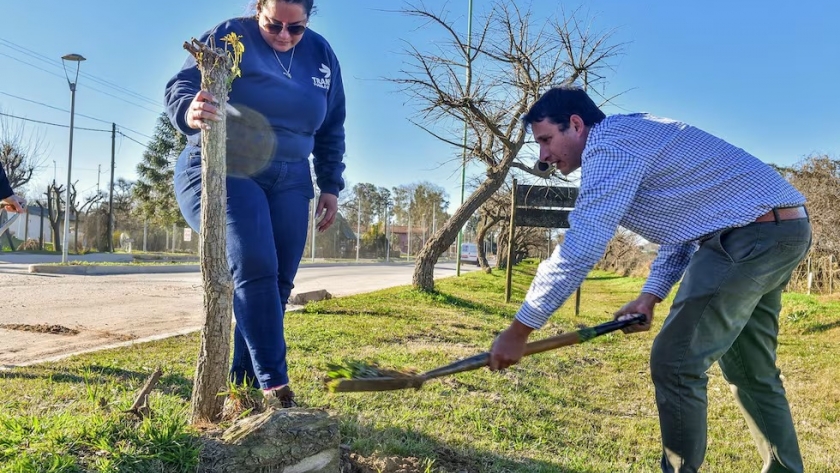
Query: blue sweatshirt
306	112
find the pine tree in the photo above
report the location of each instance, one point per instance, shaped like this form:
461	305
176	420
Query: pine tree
154	189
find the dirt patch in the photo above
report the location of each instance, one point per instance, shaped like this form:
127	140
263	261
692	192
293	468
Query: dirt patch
41	328
447	462
354	463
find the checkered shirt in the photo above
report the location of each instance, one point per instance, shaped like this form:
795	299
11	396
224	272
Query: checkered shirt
665	180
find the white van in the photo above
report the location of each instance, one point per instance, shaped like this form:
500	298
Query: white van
469	253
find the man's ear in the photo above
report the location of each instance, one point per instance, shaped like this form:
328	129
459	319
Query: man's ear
576	123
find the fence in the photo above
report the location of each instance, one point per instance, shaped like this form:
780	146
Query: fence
817	274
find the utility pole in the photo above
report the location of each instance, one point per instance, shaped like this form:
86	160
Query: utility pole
312	245
409	230
464	158
387	240
111	194
98	174
358	227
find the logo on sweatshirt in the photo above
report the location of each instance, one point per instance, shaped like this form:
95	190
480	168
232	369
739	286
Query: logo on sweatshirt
323	82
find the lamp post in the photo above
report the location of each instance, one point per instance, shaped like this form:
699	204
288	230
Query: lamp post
464	159
77	58
358	227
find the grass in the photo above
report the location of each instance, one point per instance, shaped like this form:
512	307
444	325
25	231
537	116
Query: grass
581	409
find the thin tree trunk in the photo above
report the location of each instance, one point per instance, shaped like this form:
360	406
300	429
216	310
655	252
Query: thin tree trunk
486	224
212	367
76	234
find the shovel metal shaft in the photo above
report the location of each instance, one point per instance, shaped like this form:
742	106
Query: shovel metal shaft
8	224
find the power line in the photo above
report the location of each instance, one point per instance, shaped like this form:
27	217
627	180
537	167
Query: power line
54	62
89	87
51	124
135	132
53	107
33	65
77	114
130	138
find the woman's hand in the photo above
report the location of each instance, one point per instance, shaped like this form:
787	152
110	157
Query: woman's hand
203	109
13	204
328	206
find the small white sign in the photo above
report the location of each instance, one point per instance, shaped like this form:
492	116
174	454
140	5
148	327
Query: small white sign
188	234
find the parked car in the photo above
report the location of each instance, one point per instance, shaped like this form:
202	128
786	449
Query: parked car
469	253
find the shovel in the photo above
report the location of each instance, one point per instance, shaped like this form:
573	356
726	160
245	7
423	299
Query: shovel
478	361
8	224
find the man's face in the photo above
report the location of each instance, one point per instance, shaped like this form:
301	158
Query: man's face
561	148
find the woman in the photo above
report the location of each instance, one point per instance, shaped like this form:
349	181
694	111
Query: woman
290	82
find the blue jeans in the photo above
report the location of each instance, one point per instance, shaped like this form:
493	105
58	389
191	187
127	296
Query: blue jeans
267	219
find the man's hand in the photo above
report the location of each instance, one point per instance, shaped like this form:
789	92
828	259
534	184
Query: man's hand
509	346
644	304
14	204
328	206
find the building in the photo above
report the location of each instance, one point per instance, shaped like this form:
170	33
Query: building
29	225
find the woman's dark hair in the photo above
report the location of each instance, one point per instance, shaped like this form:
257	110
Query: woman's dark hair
308	5
560	103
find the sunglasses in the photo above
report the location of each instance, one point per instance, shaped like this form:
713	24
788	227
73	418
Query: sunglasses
277	28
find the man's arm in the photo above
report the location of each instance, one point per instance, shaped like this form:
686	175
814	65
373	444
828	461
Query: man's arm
668	268
610	181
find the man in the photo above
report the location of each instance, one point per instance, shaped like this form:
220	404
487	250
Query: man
728	221
8	199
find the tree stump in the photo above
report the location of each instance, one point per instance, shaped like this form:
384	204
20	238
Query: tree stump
283	441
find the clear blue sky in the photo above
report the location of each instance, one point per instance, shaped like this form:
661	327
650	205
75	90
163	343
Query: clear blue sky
760	74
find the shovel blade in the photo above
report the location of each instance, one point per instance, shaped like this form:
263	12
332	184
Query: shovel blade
374	384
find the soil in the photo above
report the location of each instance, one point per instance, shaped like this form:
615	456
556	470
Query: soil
41	328
355	463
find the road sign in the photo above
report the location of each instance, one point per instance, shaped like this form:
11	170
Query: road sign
543	196
543	218
541	207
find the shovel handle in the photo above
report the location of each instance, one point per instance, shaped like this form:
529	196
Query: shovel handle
582	335
572	338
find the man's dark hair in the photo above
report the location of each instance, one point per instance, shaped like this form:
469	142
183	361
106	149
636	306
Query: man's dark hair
560	103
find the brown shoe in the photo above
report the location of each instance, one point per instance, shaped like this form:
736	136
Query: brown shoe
282	398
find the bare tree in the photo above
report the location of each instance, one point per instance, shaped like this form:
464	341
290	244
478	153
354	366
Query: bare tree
21	153
85	206
818	177
494	211
513	59
54	211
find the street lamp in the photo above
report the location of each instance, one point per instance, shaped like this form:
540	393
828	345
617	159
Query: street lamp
464	158
77	58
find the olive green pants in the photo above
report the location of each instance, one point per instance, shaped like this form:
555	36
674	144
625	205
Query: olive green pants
727	311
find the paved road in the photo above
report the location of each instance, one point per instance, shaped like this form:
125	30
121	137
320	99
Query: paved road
113	310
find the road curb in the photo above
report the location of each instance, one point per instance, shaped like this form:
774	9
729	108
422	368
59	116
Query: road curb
128	268
102	270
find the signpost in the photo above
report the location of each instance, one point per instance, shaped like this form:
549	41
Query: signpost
542	207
